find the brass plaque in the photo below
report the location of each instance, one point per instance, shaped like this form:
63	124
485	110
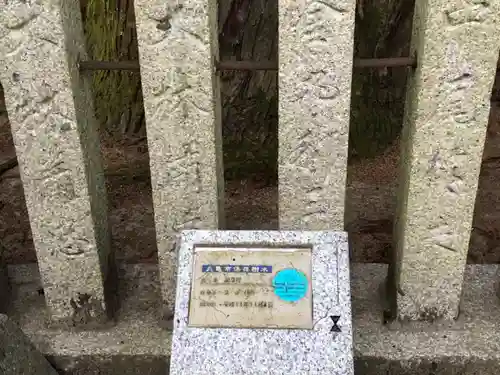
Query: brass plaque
251	288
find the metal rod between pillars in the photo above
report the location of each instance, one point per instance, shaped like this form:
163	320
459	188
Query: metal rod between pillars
92	65
390	62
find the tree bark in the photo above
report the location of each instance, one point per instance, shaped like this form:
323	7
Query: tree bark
248	30
111	35
383	29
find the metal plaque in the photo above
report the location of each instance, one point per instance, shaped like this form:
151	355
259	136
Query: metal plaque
251	288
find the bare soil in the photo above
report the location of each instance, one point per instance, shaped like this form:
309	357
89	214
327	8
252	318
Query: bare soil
250	204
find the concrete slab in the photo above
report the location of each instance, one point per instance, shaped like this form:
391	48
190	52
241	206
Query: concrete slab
469	346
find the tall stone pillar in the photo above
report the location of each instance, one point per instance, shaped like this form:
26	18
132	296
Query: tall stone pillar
448	103
177	46
315	56
57	144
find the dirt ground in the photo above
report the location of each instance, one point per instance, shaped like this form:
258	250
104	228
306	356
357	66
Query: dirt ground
370	203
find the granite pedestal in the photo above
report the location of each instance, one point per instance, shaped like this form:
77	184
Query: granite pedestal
262	302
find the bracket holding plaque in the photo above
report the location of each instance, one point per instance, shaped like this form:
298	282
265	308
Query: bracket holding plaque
255	302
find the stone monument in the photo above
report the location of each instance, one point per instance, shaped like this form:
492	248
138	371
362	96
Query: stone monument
262	302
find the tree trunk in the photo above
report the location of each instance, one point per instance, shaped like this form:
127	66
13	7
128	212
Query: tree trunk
383	29
248	30
111	35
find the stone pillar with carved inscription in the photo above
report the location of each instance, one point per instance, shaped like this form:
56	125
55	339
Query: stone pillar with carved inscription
444	131
57	144
315	56
177	43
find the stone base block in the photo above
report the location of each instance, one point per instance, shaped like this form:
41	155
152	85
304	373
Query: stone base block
18	356
137	344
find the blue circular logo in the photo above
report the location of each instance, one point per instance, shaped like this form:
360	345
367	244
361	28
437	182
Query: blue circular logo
290	285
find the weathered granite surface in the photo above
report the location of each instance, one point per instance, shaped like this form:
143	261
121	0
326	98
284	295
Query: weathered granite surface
57	146
18	356
319	350
315	56
445	126
182	122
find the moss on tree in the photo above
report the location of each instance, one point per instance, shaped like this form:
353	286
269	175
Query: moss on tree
111	36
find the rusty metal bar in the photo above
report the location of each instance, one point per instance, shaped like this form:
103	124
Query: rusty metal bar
246	65
109	65
391	62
